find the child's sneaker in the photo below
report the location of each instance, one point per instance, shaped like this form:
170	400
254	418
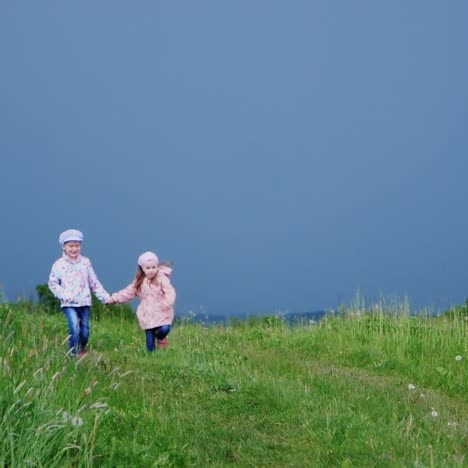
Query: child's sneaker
82	352
163	343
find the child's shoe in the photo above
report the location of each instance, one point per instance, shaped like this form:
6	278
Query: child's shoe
163	343
82	352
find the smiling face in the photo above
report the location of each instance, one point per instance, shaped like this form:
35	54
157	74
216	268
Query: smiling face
150	268
72	249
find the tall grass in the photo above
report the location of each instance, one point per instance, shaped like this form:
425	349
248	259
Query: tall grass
367	387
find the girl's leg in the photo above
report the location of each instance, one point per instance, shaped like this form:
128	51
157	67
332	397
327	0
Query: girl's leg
150	338
161	333
73	327
83	315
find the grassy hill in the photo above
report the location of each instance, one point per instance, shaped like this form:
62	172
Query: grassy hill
358	389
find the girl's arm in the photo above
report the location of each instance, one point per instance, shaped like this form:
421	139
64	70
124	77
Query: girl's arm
55	284
169	294
124	295
96	286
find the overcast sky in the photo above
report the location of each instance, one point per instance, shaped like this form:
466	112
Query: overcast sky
283	154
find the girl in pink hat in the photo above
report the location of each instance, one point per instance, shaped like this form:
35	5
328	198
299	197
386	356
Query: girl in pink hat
157	295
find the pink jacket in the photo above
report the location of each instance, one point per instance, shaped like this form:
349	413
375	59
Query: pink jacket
157	302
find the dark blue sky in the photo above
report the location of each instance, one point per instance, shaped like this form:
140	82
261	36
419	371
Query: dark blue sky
284	154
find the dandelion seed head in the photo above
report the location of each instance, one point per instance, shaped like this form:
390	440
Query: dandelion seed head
411	386
434	414
458	358
76	421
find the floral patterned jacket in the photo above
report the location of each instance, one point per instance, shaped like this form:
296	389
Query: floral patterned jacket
71	281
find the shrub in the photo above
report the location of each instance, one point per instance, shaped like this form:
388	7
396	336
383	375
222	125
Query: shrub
47	299
458	311
99	310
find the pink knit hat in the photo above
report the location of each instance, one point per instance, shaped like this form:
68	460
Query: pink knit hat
70	235
144	257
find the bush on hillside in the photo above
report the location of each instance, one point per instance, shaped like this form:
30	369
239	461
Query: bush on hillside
99	310
458	311
47	299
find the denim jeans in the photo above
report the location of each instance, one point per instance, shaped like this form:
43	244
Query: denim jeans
78	327
157	333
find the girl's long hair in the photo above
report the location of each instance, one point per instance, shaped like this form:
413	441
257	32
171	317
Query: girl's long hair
140	275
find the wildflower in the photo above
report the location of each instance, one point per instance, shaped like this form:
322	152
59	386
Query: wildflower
76	421
411	386
458	358
434	413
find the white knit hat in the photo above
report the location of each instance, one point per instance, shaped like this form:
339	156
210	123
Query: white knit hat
70	235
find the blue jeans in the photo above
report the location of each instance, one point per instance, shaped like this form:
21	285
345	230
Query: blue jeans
78	327
158	333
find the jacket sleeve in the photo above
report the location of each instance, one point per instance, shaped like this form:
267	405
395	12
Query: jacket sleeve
96	286
168	291
55	283
125	295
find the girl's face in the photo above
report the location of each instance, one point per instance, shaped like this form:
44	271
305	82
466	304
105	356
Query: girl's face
72	249
150	268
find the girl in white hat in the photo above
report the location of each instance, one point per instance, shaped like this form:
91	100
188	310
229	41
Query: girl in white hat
71	280
153	287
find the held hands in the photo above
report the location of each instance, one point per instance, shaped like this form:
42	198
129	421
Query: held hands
109	300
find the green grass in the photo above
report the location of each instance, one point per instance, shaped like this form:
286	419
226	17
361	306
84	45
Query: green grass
256	393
